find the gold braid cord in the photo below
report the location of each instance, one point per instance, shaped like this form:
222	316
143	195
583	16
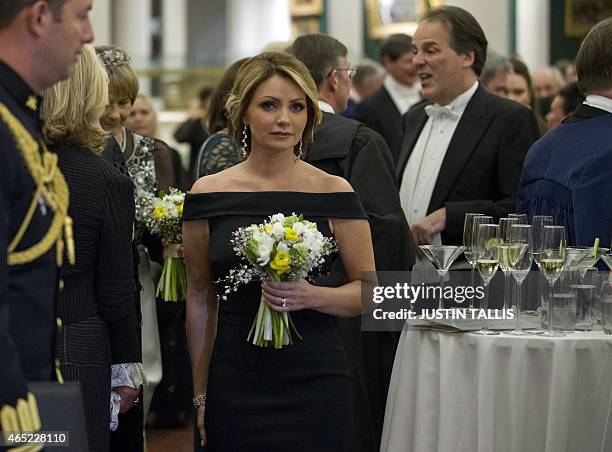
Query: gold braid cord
21	418
51	186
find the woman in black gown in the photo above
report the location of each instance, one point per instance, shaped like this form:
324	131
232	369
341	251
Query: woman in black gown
247	397
100	334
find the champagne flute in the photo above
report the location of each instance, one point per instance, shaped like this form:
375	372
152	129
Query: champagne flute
521	258
472	258
538	222
468	226
504	258
522	217
551	262
487	251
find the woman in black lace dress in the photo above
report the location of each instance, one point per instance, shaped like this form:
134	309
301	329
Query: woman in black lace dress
97	306
219	151
247	397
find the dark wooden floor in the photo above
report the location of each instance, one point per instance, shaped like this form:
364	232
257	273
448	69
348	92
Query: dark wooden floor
170	440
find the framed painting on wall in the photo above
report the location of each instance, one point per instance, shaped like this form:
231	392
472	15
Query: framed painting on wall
386	17
303	8
301	26
581	15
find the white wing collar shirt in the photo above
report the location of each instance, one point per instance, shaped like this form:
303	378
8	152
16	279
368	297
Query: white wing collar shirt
324	106
403	96
603	103
421	172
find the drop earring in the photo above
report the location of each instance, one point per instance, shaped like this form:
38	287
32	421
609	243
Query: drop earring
300	151
244	146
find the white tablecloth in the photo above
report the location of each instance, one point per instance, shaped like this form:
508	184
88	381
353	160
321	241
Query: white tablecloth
463	392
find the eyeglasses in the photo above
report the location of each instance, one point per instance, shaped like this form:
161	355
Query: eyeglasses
350	71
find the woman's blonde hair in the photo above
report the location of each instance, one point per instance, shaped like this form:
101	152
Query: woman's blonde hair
256	70
122	80
72	108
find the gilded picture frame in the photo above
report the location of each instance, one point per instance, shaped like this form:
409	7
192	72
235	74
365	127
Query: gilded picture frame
305	8
304	25
582	15
397	16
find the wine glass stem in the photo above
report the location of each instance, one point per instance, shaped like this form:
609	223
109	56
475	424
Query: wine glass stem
550	307
507	287
440	301
485	305
518	305
473	271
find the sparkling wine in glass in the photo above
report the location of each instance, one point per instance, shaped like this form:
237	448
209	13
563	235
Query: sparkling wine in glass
471	233
552	261
521	257
488	239
504	258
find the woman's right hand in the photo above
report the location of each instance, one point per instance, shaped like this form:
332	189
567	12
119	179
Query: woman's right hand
200	424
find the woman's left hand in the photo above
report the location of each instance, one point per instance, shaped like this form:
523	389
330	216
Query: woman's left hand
129	397
290	295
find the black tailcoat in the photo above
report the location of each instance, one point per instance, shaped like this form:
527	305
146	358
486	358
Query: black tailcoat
482	166
380	113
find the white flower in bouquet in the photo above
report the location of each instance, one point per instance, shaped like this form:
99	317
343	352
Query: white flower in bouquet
281	249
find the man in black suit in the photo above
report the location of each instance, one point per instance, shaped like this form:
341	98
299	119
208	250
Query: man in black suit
39	42
348	149
462	149
383	110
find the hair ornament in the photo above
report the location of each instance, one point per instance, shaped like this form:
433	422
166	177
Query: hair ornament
113	57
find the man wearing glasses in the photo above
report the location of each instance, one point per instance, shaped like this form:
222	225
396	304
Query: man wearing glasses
348	149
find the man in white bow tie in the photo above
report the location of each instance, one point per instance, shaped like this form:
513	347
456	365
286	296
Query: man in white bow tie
462	149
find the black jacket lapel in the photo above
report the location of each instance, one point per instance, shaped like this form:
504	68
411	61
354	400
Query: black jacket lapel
472	125
387	105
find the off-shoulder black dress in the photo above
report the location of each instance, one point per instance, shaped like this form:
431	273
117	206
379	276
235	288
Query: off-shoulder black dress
295	398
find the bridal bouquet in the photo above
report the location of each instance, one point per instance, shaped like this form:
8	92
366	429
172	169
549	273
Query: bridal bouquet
280	249
163	218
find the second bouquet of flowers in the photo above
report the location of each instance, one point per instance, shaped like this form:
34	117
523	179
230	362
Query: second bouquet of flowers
280	249
163	217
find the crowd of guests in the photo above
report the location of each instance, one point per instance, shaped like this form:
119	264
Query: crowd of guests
383	156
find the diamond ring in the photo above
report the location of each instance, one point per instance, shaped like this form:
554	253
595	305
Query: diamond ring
283	302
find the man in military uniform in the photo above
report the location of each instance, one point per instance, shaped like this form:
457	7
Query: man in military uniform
39	42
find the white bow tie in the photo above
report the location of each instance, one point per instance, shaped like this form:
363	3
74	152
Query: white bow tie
438	111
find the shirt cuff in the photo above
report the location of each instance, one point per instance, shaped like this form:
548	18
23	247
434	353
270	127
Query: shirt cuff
127	374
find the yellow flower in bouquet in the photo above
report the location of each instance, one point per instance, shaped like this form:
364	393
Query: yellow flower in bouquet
290	234
160	211
280	263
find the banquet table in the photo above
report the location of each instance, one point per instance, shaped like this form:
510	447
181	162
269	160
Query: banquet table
462	392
